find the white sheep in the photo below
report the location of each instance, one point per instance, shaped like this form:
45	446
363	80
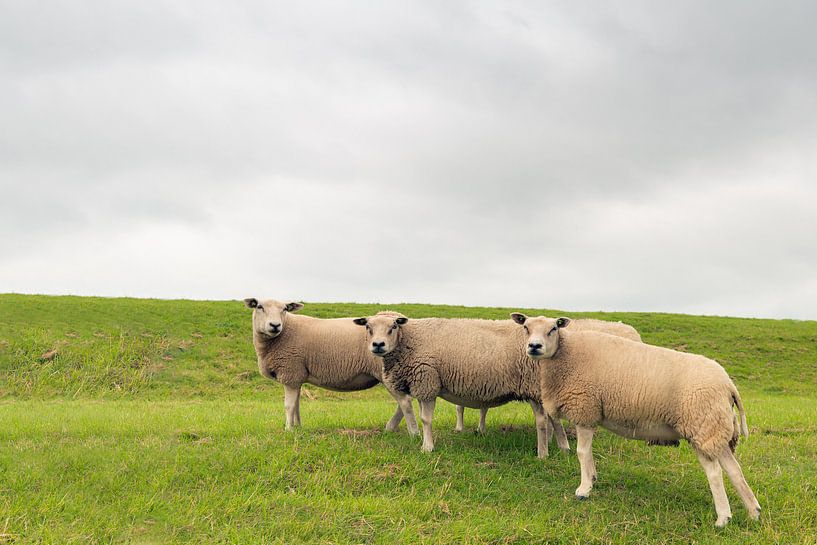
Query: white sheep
640	392
613	328
475	363
297	350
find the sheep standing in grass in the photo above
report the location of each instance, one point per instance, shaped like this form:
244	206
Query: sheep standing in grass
613	328
640	392
475	363
295	350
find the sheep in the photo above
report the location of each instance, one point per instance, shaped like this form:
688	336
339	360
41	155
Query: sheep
611	328
475	363
640	392
295	349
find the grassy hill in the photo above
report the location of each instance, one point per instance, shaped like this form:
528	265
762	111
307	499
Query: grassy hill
145	421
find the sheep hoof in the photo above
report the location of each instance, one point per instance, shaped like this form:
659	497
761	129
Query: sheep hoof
722	521
755	514
581	497
458	430
565	450
582	494
427	448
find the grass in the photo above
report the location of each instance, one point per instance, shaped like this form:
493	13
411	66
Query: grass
143	421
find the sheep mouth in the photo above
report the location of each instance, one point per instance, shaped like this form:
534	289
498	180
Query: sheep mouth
272	334
535	354
379	351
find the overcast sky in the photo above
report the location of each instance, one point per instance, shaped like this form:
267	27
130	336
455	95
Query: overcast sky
583	156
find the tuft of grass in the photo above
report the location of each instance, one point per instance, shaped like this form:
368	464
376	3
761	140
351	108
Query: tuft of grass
144	421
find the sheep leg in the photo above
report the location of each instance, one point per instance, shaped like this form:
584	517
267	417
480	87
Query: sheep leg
541	429
561	437
426	416
292	401
732	467
482	414
395	420
460	418
715	476
584	449
404	406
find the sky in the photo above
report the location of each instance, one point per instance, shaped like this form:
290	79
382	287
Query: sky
622	156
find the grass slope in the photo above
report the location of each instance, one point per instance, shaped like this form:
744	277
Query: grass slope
144	421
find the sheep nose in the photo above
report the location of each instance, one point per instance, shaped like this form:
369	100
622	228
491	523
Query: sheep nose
275	327
381	344
534	346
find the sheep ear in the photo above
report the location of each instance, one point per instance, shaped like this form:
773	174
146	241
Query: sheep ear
361	321
518	317
293	307
401	320
562	322
252	302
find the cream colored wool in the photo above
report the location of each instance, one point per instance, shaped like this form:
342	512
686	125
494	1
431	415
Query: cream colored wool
642	392
618	329
330	354
474	363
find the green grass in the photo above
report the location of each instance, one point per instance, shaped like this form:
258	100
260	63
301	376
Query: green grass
150	424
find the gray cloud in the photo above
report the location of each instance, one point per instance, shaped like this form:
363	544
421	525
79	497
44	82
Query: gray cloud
629	157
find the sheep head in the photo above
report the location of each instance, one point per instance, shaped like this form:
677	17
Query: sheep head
542	334
269	315
382	331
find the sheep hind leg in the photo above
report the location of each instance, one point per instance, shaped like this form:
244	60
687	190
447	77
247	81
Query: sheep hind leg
561	436
460	418
584	450
426	416
482	414
292	401
715	477
732	467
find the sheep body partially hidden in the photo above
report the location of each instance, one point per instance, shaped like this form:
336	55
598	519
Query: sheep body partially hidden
296	350
474	363
618	329
641	392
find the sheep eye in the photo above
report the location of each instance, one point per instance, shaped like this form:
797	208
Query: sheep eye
389	332
259	307
551	331
525	328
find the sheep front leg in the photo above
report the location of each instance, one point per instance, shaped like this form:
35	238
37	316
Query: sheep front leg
561	436
460	418
292	402
584	449
404	406
715	477
426	416
482	414
541	429
395	420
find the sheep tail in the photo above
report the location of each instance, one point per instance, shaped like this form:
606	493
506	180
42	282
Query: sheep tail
744	427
